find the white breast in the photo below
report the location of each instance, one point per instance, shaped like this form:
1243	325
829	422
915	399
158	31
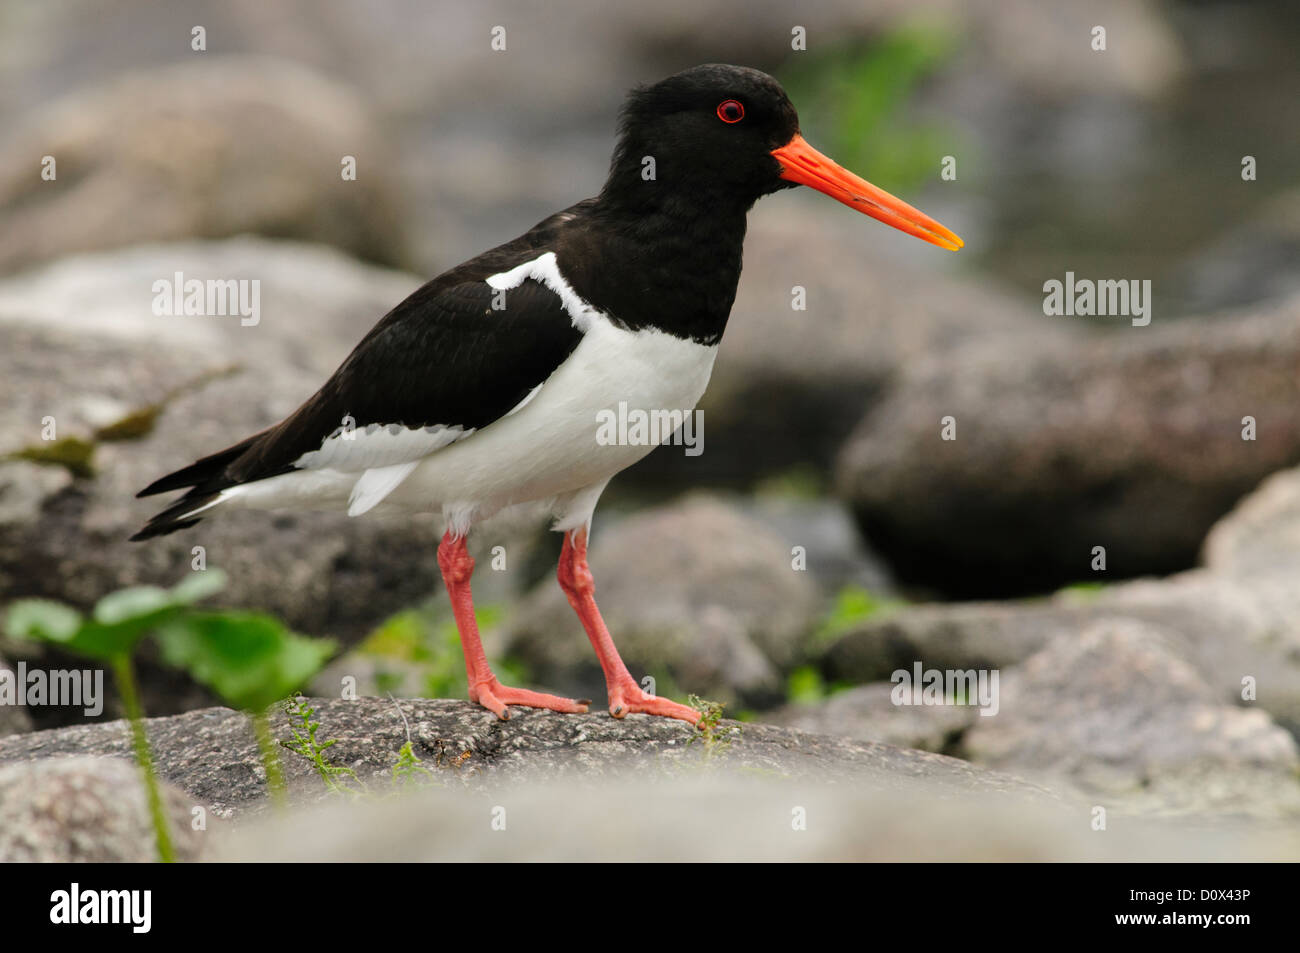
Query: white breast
550	446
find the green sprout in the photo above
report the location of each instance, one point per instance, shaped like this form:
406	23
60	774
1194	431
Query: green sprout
111	634
715	736
305	743
853	606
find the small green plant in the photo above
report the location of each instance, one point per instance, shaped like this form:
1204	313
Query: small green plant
405	772
111	634
1080	593
710	732
408	769
805	685
853	606
303	727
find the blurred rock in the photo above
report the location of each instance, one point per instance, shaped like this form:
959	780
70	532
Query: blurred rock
1116	712
695	591
957	635
867	713
1234	621
735	815
1261	536
1131	440
87	810
1255	262
211	754
837	557
211	149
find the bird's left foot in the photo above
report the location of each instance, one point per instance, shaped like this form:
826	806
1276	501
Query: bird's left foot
629	698
496	697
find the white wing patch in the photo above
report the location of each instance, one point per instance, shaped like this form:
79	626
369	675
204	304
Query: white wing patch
375	484
546	270
382	455
353	450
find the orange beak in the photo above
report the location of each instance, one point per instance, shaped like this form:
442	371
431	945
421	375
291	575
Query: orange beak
802	163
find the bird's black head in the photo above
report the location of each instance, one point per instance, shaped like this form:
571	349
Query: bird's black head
703	132
717	138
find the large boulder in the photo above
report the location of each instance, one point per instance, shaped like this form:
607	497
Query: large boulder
211	148
1131	440
1117	714
695	592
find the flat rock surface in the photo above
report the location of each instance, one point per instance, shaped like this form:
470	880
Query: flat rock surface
211	754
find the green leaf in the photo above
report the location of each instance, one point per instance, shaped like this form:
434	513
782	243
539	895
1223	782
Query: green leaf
249	659
138	602
129	604
199	585
42	619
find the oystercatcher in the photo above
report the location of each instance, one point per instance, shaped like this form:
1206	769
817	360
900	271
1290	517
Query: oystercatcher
484	388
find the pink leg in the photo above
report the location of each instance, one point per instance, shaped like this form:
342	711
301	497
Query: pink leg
625	695
457	566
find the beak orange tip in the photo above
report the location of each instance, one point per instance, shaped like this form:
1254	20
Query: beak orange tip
803	164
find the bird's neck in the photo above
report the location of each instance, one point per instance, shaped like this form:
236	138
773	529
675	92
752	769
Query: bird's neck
679	259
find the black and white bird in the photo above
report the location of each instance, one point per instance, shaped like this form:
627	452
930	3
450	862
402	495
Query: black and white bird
484	389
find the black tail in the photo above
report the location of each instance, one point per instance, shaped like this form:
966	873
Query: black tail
206	480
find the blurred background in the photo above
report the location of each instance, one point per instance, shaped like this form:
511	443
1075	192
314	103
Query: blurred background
1075	436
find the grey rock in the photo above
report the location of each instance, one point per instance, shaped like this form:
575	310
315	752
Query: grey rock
868	713
1131	440
88	809
211	754
1228	629
956	635
836	554
694	590
1117	714
215	147
1256	261
1261	536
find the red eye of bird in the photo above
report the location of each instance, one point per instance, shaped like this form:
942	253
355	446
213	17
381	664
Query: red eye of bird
731	111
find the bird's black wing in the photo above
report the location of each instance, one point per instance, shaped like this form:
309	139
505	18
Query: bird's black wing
444	356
